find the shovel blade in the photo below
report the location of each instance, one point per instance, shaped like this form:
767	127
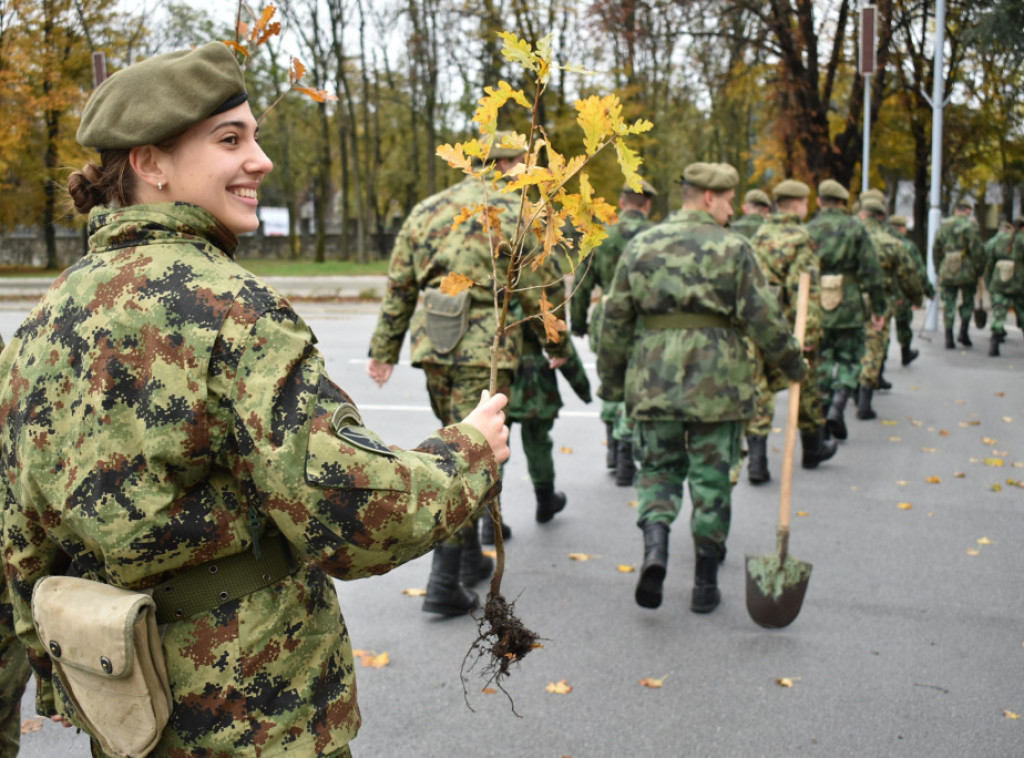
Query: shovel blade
775	593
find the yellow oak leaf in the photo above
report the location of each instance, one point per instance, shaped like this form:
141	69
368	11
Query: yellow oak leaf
997	462
973	551
984	541
559	688
625	568
566	450
904	506
455	283
653	683
633	503
801	513
553	325
997	487
933	479
988	441
787	681
414	592
581	557
890	422
1011	715
370	659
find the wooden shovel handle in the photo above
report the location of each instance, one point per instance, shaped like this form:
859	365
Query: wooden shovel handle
793	411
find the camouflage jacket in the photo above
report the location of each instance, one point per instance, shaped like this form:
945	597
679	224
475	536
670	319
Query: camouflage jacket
601	270
535	388
844	247
689	264
918	260
747	224
958	234
1005	246
784	249
427	250
902	280
162	407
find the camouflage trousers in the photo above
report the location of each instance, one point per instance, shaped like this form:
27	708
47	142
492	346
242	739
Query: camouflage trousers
904	316
615	414
876	346
538	447
811	416
839	355
949	292
1001	304
672	452
14	673
454	393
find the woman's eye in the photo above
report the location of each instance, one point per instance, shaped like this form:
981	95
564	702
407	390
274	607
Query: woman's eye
231	139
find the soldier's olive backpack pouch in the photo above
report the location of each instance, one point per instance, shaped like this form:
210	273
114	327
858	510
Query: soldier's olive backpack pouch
111	679
447	318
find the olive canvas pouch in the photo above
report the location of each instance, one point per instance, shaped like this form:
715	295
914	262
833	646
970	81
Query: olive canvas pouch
952	265
447	318
831	291
107	659
1004	271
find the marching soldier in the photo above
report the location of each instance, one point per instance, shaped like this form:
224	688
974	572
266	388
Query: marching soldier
959	259
901	281
686	296
785	250
756	208
904	313
1004	277
849	270
635	208
451	340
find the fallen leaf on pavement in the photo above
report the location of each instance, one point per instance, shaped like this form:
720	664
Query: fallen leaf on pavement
582	557
988	441
959	474
984	541
929	450
625	568
959	402
801	513
943	433
1011	715
653	683
489	691
787	681
904	506
372	660
894	439
633	503
566	450
559	688
414	592
933	479
890	422
997	487
916	423
1008	419
994	462
31	725
973	551
902	482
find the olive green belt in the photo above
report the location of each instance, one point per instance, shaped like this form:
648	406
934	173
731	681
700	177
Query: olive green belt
687	321
213	583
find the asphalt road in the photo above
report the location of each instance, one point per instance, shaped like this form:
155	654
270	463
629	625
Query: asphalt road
910	641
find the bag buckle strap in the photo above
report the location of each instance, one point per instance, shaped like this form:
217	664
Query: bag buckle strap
208	585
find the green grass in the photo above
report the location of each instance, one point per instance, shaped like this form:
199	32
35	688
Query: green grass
266	267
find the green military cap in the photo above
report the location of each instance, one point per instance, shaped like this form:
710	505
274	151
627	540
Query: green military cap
832	188
898	220
757	197
875	194
965	202
716	177
646	189
873	205
790	188
505	151
162	96
1019	222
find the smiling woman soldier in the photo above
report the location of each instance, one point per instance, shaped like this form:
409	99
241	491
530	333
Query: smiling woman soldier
168	424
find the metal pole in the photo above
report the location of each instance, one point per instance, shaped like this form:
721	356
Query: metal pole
865	161
934	210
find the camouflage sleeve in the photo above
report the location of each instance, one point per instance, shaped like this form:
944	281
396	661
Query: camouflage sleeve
583	290
762	321
807	260
616	336
975	249
399	301
352	504
869	273
990	261
909	278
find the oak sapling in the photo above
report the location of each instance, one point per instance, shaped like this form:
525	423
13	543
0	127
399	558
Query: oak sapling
551	221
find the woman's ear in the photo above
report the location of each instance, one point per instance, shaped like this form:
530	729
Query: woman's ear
145	161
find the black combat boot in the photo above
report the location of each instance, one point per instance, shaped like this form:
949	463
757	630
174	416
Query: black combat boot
907	355
613	448
706	596
864	409
883	383
757	459
445	593
834	419
474	566
816	447
963	339
487	528
549	502
993	345
652	573
950	344
625	466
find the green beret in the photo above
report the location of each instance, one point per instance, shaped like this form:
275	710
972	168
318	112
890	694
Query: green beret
757	197
716	177
498	151
876	194
898	220
833	189
965	202
162	96
646	189
873	205
790	188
